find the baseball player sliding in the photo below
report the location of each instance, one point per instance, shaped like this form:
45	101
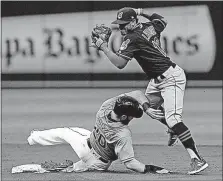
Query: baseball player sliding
110	139
167	80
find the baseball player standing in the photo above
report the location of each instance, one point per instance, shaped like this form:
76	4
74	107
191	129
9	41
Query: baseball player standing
167	80
110	139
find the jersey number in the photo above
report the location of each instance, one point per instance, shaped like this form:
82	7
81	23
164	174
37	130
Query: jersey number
99	137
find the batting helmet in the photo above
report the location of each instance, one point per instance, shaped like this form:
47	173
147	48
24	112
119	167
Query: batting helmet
128	106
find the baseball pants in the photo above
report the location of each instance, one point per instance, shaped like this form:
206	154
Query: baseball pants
170	93
77	139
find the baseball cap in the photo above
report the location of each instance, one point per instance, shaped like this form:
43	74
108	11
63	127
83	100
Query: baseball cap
125	15
126	105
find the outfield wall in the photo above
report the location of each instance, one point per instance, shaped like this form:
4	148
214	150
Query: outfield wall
50	47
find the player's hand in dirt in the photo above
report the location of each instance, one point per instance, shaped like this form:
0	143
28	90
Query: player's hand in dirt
156	169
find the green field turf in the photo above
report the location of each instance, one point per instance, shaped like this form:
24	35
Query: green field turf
27	109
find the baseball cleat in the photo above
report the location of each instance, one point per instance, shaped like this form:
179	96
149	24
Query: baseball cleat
172	138
197	166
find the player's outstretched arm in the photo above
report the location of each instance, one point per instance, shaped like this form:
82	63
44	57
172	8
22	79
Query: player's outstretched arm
124	151
137	166
144	102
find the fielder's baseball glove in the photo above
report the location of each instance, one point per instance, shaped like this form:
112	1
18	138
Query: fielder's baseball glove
100	35
53	166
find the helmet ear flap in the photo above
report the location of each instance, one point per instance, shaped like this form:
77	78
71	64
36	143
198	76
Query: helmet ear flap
118	109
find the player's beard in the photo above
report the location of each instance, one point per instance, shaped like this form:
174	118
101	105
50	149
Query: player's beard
126	31
123	32
126	121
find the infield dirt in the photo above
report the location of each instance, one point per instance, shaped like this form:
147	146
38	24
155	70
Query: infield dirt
24	110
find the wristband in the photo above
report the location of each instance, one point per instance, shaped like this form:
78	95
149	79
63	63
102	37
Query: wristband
139	11
99	42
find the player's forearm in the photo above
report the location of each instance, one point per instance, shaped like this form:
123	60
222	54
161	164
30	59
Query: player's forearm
135	165
146	14
116	60
138	95
143	12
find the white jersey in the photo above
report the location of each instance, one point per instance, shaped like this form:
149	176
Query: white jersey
109	138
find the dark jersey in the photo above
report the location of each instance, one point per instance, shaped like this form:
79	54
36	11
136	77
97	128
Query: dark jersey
143	44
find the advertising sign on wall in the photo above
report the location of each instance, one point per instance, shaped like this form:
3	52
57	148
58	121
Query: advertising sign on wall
60	43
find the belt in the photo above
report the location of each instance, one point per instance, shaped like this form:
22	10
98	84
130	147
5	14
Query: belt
100	158
161	77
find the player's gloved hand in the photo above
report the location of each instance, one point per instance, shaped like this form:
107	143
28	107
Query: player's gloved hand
100	36
53	166
153	113
155	169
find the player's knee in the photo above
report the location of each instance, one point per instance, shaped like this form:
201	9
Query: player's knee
155	100
173	119
30	141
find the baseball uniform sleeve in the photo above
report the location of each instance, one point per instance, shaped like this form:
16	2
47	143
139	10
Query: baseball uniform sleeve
124	149
106	107
127	48
158	22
